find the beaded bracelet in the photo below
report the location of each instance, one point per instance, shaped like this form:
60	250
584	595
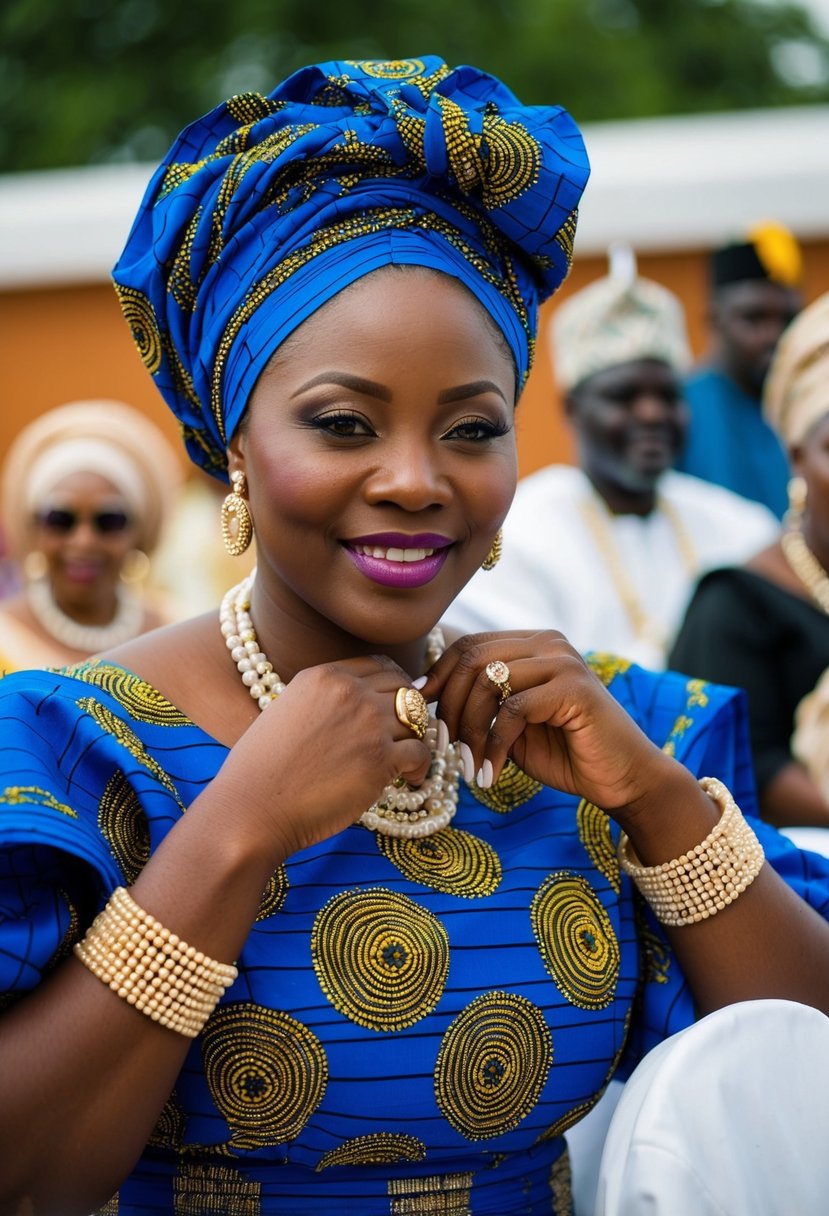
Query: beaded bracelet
151	968
708	877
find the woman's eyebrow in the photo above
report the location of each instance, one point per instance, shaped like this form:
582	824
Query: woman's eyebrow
475	389
358	383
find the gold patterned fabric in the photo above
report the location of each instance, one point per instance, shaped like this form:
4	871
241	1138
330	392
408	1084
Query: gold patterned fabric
492	1064
415	1023
381	958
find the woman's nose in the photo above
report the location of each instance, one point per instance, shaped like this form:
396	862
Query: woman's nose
411	476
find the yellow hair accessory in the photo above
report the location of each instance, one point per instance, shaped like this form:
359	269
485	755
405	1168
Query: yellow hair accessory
778	251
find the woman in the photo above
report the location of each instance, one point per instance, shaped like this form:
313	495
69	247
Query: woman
429	959
764	626
86	490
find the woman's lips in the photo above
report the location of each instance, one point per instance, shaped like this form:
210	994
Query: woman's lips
395	560
81	572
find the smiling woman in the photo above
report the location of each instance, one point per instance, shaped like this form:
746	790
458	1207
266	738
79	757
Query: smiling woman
86	491
339	911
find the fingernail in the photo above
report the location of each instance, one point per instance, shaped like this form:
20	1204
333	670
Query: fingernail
485	774
467	761
419	682
443	735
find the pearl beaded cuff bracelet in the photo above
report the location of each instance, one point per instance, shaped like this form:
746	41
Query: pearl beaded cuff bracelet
708	877
151	968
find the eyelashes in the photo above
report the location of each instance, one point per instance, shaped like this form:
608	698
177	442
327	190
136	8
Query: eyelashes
346	424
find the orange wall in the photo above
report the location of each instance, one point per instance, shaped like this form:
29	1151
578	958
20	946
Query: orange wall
60	344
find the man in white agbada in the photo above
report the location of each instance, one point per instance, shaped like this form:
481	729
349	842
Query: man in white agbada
608	552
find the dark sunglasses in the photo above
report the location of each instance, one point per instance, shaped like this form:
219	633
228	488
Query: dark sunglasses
62	521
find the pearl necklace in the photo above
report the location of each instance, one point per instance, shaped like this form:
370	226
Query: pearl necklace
400	810
125	625
806	566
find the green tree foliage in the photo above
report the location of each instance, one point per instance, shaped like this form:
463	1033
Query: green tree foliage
89	81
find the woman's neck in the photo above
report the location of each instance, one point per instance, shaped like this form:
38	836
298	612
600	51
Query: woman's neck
294	637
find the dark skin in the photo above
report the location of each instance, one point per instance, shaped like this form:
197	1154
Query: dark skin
421	440
747	320
629	422
791	797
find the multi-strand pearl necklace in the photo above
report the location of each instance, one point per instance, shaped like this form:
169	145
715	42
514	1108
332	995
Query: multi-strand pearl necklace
400	810
125	625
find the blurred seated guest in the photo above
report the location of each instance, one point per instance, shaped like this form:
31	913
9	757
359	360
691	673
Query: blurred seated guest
754	296
86	489
609	552
764	626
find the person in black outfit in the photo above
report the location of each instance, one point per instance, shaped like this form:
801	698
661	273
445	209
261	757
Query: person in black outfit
764	626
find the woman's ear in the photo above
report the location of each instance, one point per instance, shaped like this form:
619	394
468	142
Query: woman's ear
236	453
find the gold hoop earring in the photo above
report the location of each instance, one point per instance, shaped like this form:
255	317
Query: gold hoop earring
237	521
798	492
35	566
494	556
135	567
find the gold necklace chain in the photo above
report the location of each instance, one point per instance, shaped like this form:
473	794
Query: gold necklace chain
598	519
806	566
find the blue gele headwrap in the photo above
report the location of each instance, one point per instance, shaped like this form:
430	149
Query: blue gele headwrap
268	206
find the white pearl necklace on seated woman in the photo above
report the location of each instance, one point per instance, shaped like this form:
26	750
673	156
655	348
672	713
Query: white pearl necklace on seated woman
124	626
400	810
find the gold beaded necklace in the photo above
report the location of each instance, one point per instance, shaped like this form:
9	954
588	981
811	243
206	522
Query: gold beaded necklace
597	517
806	566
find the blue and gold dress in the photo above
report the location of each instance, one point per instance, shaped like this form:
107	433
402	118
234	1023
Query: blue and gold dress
416	1023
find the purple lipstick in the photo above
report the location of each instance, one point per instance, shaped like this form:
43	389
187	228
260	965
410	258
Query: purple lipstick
395	559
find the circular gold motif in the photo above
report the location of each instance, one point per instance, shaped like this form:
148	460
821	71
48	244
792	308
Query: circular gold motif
381	959
594	830
273	897
492	1064
139	315
170	1125
392	69
451	861
513	163
576	940
124	826
377	1148
266	1072
513	788
411	710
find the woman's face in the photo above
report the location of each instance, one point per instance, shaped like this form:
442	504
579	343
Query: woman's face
380	456
84	530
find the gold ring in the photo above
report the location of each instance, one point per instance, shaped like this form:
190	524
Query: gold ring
412	710
498	674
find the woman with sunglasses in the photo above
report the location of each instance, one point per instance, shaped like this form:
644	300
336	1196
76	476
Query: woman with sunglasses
86	490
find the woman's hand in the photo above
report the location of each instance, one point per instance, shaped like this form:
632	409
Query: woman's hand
559	724
322	753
